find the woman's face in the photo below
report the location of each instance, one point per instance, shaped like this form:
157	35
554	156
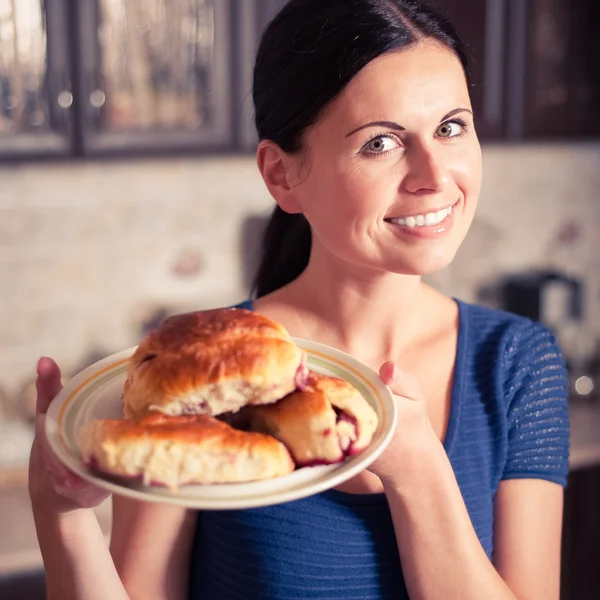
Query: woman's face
392	172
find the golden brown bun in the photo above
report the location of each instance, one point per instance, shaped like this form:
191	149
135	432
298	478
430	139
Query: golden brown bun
322	424
212	362
174	451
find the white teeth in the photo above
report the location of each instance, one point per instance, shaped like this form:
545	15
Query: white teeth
428	219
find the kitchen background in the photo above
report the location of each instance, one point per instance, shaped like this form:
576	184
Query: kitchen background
129	191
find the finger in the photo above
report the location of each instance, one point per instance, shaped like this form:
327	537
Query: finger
400	382
51	463
63	478
56	466
47	383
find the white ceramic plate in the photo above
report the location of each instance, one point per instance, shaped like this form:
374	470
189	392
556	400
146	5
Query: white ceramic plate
96	393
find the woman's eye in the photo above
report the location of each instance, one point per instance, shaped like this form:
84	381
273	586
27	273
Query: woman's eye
381	144
450	129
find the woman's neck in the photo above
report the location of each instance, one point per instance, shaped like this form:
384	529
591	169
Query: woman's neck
374	318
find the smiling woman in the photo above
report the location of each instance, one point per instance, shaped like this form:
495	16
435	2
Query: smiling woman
369	148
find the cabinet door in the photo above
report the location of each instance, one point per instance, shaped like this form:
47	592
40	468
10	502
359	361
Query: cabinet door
155	75
481	25
35	85
555	80
252	18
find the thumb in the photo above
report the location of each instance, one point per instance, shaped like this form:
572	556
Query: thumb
400	382
47	383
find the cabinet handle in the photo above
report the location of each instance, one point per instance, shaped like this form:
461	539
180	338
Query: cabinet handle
65	99
62	92
97	98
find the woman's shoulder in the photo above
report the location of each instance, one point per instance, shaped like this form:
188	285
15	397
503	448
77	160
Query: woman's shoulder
523	356
491	318
510	349
510	334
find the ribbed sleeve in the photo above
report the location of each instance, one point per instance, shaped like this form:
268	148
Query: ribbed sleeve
536	390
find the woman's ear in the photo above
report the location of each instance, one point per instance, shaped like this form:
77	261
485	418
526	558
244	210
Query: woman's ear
279	170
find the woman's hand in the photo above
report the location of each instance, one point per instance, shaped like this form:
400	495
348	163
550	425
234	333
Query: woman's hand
53	487
414	437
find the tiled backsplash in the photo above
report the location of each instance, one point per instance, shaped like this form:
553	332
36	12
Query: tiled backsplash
87	250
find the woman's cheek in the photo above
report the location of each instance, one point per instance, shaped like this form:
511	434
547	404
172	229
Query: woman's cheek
468	167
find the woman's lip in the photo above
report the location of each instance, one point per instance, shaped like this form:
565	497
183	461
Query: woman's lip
422	213
426	231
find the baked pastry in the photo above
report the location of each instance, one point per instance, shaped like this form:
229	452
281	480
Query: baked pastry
212	362
174	451
322	424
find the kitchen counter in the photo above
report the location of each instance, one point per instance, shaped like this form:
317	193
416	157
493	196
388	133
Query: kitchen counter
18	542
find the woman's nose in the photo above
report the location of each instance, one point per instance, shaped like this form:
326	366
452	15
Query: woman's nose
426	172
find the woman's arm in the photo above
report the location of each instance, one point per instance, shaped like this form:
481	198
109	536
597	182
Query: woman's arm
527	536
150	542
77	562
148	557
441	554
76	558
150	546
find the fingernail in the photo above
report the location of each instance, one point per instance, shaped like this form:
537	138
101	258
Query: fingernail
392	371
38	366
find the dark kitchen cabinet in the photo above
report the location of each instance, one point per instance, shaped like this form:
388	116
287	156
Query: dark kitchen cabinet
91	77
482	26
561	79
253	17
36	94
88	77
580	578
154	75
535	66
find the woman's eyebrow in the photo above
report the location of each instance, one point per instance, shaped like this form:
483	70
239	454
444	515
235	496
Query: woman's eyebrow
397	127
454	112
387	124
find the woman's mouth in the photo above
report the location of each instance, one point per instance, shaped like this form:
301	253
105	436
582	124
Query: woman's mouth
425	220
429	224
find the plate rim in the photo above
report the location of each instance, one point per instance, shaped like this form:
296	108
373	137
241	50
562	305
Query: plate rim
54	423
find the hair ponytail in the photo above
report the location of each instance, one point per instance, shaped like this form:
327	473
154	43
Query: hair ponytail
285	252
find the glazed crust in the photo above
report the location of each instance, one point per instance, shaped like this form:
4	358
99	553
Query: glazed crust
321	424
173	451
211	362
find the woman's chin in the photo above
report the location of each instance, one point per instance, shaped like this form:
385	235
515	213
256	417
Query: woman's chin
424	264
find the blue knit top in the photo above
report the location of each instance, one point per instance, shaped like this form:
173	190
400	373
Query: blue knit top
508	419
